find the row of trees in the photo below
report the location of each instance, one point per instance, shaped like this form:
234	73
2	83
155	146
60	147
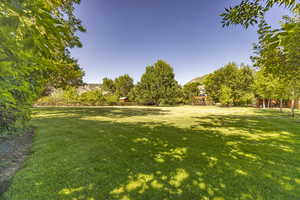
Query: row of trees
35	38
278	59
231	85
156	87
243	85
277	68
277	53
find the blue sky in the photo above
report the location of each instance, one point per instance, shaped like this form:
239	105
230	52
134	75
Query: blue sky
124	36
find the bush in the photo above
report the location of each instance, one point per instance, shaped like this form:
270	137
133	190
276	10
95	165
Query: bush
92	98
111	100
58	98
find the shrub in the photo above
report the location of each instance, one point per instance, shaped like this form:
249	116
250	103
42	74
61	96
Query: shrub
111	100
92	98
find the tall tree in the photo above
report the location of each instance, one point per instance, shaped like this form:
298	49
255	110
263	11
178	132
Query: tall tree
289	39
278	54
158	85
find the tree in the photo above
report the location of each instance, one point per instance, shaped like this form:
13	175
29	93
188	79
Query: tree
263	86
123	84
277	54
190	90
226	98
238	79
278	49
281	91
108	85
289	39
133	94
158	85
243	92
34	52
225	76
248	12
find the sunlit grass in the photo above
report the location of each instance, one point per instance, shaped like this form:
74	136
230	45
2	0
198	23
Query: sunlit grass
134	153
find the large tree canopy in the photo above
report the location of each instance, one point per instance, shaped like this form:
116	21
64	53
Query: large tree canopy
35	37
230	82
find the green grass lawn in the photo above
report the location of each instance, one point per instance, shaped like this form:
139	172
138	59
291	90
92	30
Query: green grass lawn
137	153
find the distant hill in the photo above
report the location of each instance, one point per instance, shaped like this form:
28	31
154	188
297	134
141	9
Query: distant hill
198	79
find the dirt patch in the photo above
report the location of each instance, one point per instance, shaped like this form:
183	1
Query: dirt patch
13	151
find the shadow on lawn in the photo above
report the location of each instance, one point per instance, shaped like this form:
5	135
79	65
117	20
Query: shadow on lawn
115	112
132	161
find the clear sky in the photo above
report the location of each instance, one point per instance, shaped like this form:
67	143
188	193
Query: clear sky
124	36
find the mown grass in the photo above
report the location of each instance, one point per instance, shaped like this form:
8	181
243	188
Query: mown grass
136	153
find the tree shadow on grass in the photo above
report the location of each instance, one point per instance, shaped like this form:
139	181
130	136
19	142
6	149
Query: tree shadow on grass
275	112
268	128
146	160
112	112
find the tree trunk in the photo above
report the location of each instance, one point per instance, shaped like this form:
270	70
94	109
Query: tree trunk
294	98
293	107
264	104
269	100
281	102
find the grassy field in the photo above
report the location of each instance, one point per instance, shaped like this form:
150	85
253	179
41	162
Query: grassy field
137	153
